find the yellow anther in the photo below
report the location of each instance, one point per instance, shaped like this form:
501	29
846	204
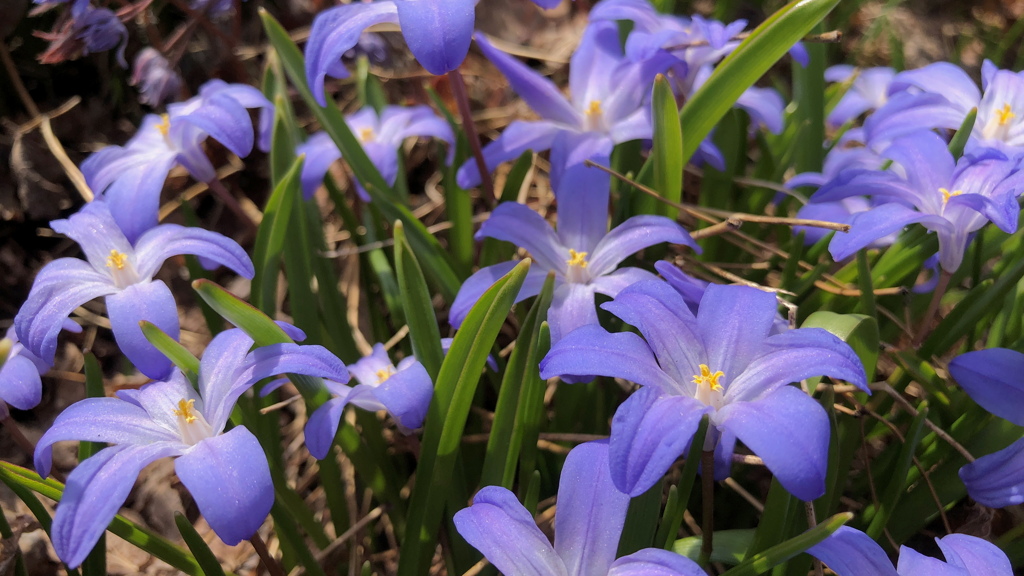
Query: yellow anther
165	124
1005	114
706	377
577	258
366	134
185	410
946	194
595	108
117	260
383	375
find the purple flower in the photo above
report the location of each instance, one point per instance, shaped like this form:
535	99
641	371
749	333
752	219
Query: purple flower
123	273
609	105
130	177
850	552
438	33
952	198
85	30
20	371
404	391
868	91
380	136
226	472
724	362
213	8
992	378
583	254
591	514
156	80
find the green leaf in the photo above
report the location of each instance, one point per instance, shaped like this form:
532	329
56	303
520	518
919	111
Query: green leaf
898	477
751	59
764	561
730	546
503	445
95	563
170	347
446	419
270	238
857	330
256	324
674	510
419	308
668	146
959	140
204	556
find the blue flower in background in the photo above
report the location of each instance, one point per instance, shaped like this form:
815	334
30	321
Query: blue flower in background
588	524
868	91
225	471
122	272
438	33
992	378
850	552
952	198
609	105
20	370
130	177
381	136
156	80
727	362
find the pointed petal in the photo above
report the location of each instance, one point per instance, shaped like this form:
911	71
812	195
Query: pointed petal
134	198
322	427
619	280
229	479
571	307
168	240
20	384
926	159
591	350
992	379
320	153
866	227
514	222
765	106
438	32
793	356
502	530
633	235
944	78
539	93
975	555
95	230
218	373
789	431
60	287
591	511
225	120
406	394
570	150
484	278
913	563
109	420
335	32
655	562
95	490
734	322
590	70
997	480
582	196
518	137
649	431
150	301
850	552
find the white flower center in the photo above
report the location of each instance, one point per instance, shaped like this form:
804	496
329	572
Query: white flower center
192	426
709	391
121	270
577	272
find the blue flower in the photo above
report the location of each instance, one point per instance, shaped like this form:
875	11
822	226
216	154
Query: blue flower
130	177
438	33
868	91
725	362
225	471
20	370
156	81
591	514
850	552
380	135
122	272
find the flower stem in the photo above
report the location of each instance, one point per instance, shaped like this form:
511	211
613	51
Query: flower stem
462	99
225	196
707	483
272	565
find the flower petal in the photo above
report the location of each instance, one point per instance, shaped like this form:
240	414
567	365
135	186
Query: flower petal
224	119
168	240
734	322
582	197
789	431
502	530
539	93
975	555
866	227
997	480
514	222
218	373
229	478
571	307
992	379
655	562
518	137
96	231
633	235
649	431
438	32
619	280
322	427
913	563
591	350
134	198
569	152
20	384
484	278
591	511
150	301
850	552
406	394
95	490
320	152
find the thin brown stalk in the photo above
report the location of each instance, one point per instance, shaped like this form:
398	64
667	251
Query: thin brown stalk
462	100
933	308
269	562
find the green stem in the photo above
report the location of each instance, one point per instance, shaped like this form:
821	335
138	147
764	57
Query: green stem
707	482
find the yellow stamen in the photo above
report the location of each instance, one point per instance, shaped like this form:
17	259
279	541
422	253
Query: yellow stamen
383	375
577	258
595	108
366	134
946	194
117	260
1005	114
185	410
165	124
707	378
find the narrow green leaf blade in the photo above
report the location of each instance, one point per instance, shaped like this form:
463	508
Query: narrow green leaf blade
668	146
419	309
764	561
170	347
196	545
